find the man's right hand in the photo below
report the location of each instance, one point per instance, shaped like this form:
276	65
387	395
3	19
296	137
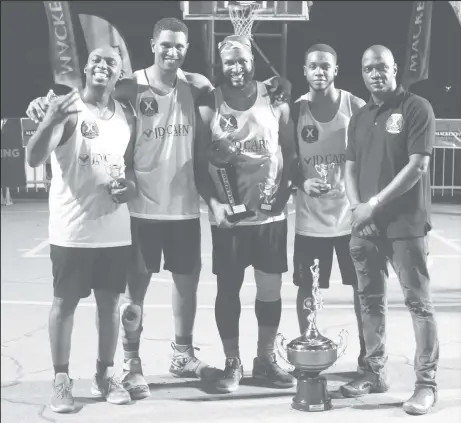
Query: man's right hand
220	212
61	107
313	187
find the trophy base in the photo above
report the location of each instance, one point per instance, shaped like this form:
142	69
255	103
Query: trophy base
240	212
325	190
311	394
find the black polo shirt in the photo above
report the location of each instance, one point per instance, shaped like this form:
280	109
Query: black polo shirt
380	141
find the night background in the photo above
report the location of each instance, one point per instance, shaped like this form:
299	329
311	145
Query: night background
349	26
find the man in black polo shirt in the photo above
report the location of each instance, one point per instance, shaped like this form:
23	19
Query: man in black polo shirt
390	141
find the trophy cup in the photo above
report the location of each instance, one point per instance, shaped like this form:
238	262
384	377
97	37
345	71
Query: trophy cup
222	154
267	189
312	353
115	171
325	171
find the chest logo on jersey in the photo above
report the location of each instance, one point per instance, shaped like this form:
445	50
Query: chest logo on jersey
89	129
394	124
310	133
228	123
148	106
83	159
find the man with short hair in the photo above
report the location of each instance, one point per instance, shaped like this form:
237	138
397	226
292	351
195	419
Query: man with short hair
239	117
387	182
322	212
87	135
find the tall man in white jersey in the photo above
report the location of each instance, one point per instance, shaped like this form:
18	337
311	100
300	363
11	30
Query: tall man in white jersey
240	112
87	135
322	212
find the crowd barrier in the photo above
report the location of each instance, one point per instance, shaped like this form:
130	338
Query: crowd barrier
445	162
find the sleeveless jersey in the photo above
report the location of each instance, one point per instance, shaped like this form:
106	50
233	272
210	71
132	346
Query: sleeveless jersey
164	153
255	132
323	143
82	213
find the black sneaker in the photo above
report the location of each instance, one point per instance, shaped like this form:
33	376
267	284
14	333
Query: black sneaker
233	373
268	370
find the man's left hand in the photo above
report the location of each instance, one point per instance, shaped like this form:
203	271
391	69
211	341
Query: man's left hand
123	192
361	216
279	89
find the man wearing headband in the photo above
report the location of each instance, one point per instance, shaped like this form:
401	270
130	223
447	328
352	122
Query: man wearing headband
240	112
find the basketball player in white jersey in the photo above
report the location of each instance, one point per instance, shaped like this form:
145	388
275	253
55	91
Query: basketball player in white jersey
241	112
165	212
88	137
322	212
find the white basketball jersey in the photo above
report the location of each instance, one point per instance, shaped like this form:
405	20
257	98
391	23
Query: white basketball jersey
255	132
164	153
82	213
323	143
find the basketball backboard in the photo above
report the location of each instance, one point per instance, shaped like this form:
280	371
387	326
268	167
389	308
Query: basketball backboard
268	11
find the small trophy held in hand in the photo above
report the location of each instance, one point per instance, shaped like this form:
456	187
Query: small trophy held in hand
116	171
326	171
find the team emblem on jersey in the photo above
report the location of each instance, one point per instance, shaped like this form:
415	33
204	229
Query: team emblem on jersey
148	106
394	124
83	159
228	123
310	133
89	129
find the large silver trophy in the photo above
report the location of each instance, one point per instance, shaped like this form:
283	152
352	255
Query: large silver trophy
312	353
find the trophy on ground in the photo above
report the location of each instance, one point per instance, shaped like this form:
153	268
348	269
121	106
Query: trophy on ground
222	154
326	171
312	353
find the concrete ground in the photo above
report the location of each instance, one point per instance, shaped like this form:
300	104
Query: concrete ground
27	372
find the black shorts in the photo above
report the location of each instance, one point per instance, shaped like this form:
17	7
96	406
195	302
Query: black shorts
262	246
308	248
76	271
179	240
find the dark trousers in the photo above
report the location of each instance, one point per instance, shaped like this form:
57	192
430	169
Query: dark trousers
408	258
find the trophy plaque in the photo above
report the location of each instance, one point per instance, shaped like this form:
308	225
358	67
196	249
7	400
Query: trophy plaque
312	353
222	154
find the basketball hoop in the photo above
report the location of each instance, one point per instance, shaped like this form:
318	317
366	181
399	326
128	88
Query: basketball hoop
242	16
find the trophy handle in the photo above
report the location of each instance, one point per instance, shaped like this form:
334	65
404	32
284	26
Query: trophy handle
343	336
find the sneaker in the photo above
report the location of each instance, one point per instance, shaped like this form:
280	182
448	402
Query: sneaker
108	387
133	380
185	364
281	352
268	370
233	373
366	384
62	400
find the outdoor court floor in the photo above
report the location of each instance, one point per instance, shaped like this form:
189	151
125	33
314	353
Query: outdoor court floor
26	367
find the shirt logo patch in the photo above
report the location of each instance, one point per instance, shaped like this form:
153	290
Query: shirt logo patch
394	124
148	106
228	123
310	133
89	129
83	159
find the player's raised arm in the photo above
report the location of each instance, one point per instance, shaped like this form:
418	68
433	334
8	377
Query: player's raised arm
57	124
201	87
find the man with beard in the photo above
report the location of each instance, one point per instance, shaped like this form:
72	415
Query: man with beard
322	211
238	117
165	213
387	183
89	228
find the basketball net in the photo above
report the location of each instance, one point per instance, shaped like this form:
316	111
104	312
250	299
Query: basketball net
242	16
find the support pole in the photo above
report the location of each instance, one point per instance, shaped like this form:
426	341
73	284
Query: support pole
284	52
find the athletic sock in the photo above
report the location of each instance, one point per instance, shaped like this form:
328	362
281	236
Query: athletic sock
130	350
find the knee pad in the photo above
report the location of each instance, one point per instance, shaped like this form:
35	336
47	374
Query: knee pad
131	315
268	286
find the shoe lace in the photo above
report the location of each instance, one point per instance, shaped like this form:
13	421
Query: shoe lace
113	384
232	369
63	390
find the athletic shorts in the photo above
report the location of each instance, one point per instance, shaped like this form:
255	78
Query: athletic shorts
308	248
76	271
178	240
262	246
